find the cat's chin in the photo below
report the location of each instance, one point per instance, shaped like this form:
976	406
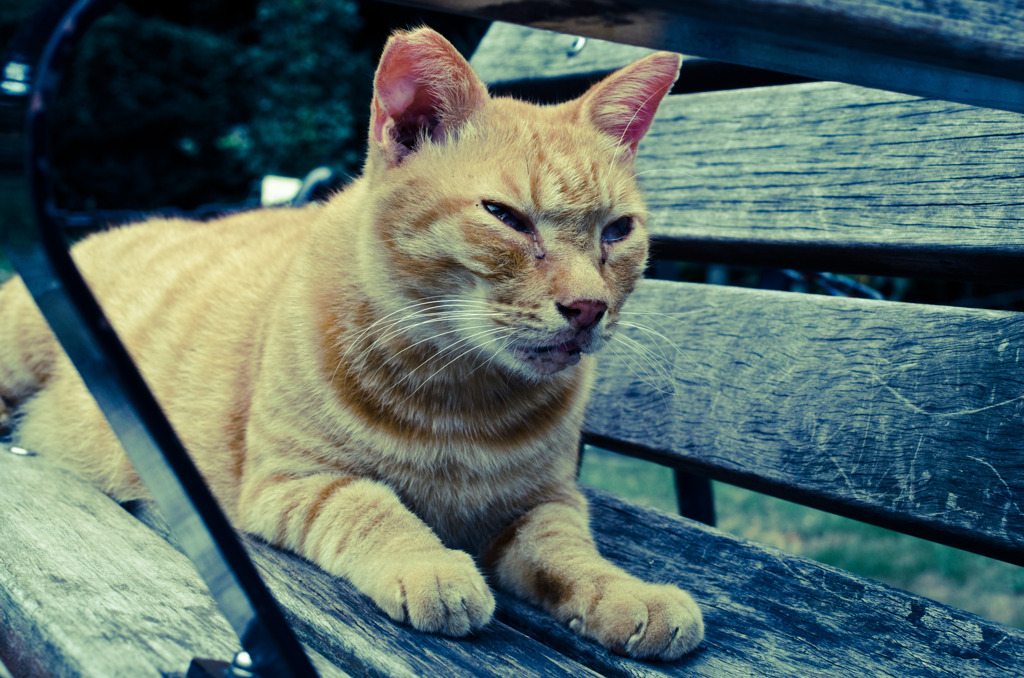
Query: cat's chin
550	359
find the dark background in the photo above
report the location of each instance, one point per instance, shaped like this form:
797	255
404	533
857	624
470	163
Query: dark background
177	103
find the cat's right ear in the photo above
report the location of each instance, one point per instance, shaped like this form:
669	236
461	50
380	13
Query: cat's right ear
424	90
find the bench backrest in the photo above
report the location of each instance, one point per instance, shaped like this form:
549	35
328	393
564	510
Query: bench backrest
904	415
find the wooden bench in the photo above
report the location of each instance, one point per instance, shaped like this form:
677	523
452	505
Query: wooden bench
903	415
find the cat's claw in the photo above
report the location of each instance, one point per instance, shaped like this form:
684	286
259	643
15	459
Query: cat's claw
646	621
638	636
442	592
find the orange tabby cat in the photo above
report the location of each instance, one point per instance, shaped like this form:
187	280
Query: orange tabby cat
395	380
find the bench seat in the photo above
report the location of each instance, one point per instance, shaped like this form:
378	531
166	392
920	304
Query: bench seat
73	602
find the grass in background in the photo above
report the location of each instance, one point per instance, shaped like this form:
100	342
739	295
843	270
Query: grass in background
987	587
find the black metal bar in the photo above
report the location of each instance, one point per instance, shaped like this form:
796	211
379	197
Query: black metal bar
33	240
694	496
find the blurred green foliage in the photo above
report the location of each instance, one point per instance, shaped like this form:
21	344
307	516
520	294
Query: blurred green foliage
184	104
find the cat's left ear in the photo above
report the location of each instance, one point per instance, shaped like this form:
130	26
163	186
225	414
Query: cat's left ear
623	104
423	89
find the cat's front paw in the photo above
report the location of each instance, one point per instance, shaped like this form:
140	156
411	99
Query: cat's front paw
439	592
646	621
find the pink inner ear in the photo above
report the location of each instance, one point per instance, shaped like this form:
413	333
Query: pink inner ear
624	105
395	89
400	94
403	100
423	88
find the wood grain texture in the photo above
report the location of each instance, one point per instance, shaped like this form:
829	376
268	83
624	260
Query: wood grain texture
343	624
769	614
909	416
961	50
838	177
76	601
549	67
88	591
346	627
509	53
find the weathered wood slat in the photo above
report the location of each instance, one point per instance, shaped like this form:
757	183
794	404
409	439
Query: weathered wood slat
905	415
547	67
347	627
66	574
510	53
962	50
88	591
341	623
771	614
834	177
816	621
768	613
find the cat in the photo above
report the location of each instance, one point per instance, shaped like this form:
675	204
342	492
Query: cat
392	384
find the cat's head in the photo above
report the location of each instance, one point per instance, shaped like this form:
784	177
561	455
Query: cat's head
512	233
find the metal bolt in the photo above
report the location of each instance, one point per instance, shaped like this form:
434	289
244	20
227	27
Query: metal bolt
241	666
577	46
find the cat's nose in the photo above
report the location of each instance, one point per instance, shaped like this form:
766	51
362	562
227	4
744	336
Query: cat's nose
583	313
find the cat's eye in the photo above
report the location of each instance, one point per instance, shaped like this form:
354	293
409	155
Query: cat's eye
509	217
617	230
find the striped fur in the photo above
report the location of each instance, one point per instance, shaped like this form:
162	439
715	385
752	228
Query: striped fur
392	384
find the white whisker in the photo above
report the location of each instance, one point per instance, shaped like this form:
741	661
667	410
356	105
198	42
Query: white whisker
414	310
650	332
468	350
646	366
470	339
427	304
423	341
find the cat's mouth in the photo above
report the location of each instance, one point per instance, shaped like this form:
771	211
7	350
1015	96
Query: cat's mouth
550	359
